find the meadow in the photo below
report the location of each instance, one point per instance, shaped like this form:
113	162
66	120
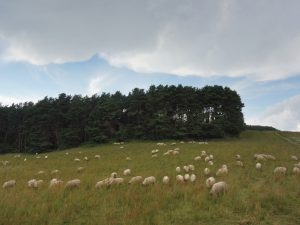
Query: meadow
254	197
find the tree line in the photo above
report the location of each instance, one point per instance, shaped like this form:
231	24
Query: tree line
161	112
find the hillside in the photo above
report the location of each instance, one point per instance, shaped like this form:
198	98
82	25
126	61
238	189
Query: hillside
254	197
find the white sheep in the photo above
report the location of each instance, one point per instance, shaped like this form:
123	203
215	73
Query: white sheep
258	166
127	172
297	165
77	160
154	156
178	169
175	152
197	158
293	157
173	143
203	153
55	182
80	169
39	182
128	158
296	171
32	183
113	175
97	156
259	157
135	179
86	158
166	180
161	144
207	158
219	188
179	178
186	169
186	177
193	178
206	171
211	157
53	172
237	157
239	163
191	167
210	163
40	172
73	184
210	182
149	180
9	184
106	182
117	180
280	171
222	171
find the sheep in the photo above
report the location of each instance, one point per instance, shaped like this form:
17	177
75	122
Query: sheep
210	182
191	167
178	169
113	175
55	172
154	156
161	144
40	172
237	157
25	159
176	149
222	171
154	151
280	171
102	183
179	178
32	183
9	184
149	180
121	147
269	157
219	188
39	182
186	177
46	157
67	153
173	143
258	166
117	180
80	169
203	153
97	156
297	165
259	157
207	159
86	158
181	142
38	157
197	158
55	182
72	184
239	163
127	172
175	152
211	157
206	171
77	160
296	171
128	158
166	180
186	169
210	163
135	179
293	157
193	178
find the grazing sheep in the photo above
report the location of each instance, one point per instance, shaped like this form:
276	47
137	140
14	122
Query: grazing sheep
127	172
239	163
38	157
117	180
39	182
77	160
193	178
149	180
197	158
211	157
175	152
186	177
176	149
206	171
166	180
113	175
258	166
46	157
32	183
97	156
219	188
203	153
135	179
297	165
222	171
80	169
40	172
280	171
106	182
296	171
181	142
293	157
178	169
186	169
210	182
86	158
161	144
128	158
210	163
259	157
191	167
154	156
53	172
173	143
25	159
154	151
269	157
121	147
55	182
179	178
207	159
73	184
67	153
237	157
9	184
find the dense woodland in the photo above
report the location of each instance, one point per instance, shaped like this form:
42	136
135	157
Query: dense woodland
161	112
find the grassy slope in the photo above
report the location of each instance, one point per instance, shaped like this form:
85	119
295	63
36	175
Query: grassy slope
253	196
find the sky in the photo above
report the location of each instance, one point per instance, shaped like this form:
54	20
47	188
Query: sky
95	46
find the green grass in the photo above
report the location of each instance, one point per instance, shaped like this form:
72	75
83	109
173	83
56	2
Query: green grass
254	197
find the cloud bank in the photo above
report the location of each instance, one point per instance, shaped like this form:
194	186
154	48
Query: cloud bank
258	39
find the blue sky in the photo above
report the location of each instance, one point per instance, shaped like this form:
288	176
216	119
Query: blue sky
79	47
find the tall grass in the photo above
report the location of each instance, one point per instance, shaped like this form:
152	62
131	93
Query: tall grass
254	197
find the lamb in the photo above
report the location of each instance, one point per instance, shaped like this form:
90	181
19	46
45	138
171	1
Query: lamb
296	171
280	171
97	156
179	178
219	188
206	171
197	158
166	180
55	182
258	166
9	184
73	184
293	157
178	169
239	163
154	151
173	143
193	178
269	157
149	180
135	179
127	172
210	182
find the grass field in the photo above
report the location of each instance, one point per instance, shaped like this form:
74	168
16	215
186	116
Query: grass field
254	197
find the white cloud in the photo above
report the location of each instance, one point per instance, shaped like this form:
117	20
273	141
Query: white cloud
284	115
98	83
7	100
259	39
